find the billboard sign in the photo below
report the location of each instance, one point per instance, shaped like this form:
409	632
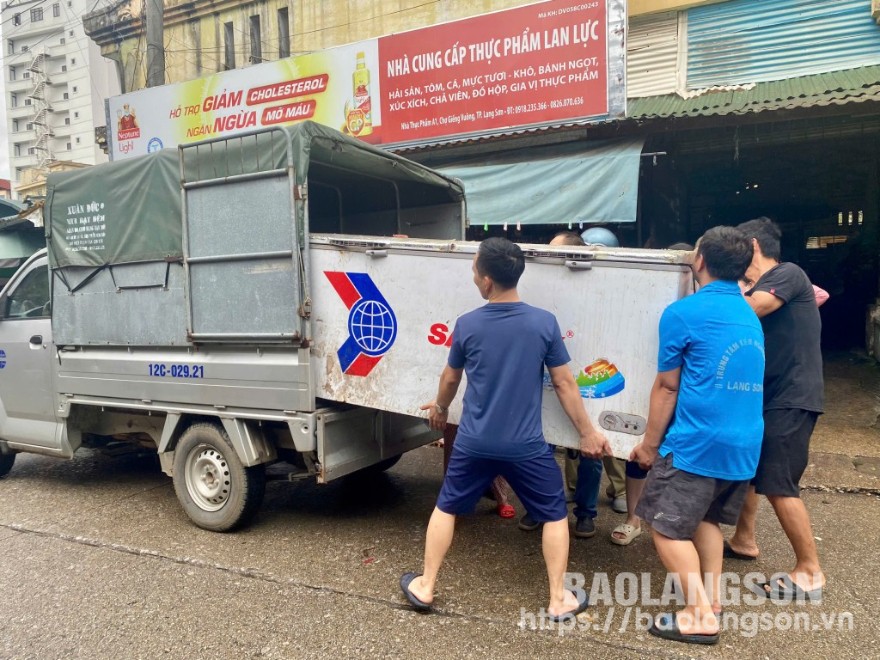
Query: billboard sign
560	61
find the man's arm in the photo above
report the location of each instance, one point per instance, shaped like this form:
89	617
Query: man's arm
764	303
664	396
450	379
593	443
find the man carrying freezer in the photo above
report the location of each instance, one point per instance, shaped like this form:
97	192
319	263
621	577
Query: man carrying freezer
704	430
504	347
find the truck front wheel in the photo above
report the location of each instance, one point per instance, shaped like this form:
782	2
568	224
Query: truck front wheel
6	461
217	492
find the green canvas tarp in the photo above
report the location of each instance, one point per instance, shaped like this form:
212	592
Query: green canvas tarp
130	210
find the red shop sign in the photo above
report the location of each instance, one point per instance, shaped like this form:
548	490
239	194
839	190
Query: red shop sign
539	64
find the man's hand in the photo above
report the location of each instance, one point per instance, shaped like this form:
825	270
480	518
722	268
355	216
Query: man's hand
436	419
450	379
644	454
594	444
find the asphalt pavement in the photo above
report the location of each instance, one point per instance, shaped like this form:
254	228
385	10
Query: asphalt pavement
99	561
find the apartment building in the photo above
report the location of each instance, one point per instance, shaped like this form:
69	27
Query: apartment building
56	82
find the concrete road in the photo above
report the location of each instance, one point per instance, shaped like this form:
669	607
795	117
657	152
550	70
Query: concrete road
99	561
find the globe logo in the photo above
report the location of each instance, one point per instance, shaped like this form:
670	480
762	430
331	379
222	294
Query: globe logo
373	326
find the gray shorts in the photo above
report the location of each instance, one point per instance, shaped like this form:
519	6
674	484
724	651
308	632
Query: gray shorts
675	502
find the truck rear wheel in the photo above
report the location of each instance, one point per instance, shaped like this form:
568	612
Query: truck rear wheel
217	492
383	466
6	461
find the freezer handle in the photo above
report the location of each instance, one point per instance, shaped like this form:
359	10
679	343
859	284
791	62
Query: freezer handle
579	265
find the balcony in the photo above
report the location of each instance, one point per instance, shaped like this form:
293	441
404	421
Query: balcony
58	105
27	28
61	130
19	85
57	51
22	134
21	110
26	160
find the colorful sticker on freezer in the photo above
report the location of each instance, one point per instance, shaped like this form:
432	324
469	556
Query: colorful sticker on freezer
600	380
372	325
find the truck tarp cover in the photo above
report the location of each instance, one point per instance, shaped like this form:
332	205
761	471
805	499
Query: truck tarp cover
130	210
123	211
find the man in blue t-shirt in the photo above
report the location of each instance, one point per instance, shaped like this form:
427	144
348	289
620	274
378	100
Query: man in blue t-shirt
704	430
503	347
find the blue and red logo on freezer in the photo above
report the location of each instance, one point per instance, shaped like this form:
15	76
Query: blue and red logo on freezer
372	325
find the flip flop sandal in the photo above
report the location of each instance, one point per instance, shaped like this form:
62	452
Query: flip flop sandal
730	553
420	605
787	592
630	533
506	511
665	626
582	605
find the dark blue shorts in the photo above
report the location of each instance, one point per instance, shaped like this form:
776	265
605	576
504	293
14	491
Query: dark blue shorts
537	483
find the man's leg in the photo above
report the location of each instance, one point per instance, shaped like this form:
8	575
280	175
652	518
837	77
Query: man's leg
538	483
449	433
634	489
554	544
744	539
438	538
709	542
682	559
571	472
465	481
586	495
615	468
678	502
501	491
795	521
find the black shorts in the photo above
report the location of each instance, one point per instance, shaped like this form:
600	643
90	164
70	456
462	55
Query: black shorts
785	451
675	502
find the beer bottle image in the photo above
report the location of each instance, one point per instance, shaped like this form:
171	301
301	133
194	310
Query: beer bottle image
359	119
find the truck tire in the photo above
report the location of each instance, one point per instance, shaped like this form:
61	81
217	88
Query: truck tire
217	492
6	461
382	466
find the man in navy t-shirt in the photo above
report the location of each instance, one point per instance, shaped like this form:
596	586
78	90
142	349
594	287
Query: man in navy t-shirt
704	430
503	347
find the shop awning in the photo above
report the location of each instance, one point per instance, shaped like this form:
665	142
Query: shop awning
18	245
9	207
558	184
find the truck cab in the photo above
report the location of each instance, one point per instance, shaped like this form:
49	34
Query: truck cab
28	371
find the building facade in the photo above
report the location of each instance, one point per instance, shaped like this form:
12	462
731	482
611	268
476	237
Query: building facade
745	108
56	83
207	36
